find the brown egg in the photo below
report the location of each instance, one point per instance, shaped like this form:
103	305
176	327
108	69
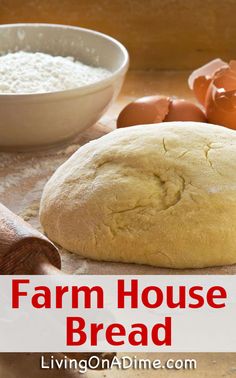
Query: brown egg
221	98
183	110
145	110
200	79
156	109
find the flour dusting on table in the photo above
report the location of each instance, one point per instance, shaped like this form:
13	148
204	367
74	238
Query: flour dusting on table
16	169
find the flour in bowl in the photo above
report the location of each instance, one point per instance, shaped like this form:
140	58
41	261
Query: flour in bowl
26	72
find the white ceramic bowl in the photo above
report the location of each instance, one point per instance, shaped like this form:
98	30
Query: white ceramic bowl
37	120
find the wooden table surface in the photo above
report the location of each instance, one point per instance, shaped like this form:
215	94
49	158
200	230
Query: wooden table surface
22	178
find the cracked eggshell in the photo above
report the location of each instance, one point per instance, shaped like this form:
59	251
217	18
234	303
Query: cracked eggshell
162	196
221	98
183	110
145	110
200	79
156	109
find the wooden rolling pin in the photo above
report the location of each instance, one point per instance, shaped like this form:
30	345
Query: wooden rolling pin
24	250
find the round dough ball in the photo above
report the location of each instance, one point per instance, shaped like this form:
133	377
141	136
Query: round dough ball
161	194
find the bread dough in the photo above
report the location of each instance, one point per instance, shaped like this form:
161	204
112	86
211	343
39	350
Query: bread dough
162	194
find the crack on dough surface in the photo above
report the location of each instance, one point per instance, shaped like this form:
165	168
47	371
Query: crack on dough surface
183	154
165	255
207	148
164	145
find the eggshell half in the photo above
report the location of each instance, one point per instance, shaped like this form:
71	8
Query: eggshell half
200	79
221	98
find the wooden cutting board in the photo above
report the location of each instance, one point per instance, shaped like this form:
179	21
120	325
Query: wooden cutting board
22	178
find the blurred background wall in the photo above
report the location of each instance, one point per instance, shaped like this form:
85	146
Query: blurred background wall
159	34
